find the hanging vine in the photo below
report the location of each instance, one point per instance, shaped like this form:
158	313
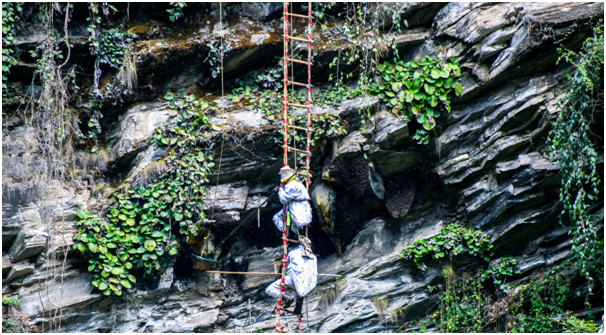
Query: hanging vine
575	148
50	116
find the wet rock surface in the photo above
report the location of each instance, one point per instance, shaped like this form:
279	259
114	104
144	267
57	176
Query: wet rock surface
374	192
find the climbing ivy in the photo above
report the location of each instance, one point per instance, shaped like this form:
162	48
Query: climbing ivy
112	46
575	149
452	240
419	90
139	230
10	11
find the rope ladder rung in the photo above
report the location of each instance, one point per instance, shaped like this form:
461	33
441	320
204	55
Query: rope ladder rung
300	128
298	15
298	83
299	61
292	104
300	39
298	150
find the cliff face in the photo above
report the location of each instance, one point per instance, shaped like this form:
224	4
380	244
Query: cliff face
374	192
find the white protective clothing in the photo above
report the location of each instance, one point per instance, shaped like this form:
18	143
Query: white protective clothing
294	195
301	275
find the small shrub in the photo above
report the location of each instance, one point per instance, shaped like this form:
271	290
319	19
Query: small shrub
452	240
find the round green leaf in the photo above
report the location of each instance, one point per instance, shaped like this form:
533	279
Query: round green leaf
125	283
456	70
433	101
435	74
93	246
150	245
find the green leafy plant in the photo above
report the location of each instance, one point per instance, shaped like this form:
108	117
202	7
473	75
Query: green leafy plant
572	324
10	54
217	47
539	302
112	46
452	240
365	33
11	302
419	90
111	251
575	149
461	303
505	267
177	11
10	320
138	231
271	78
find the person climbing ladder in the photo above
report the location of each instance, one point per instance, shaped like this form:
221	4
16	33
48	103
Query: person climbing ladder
301	276
294	196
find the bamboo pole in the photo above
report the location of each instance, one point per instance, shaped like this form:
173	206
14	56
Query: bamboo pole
263	273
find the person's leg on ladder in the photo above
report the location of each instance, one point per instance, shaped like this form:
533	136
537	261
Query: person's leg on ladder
274	290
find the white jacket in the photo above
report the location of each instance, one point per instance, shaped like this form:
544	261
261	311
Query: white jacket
303	271
294	195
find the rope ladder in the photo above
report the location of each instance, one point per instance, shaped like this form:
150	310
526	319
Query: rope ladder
289	59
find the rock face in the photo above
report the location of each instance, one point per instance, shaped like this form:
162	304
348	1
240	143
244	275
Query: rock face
374	192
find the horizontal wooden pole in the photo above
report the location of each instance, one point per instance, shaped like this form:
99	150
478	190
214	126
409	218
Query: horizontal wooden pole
298	15
262	273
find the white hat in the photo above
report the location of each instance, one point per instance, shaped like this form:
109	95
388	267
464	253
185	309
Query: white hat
285	173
